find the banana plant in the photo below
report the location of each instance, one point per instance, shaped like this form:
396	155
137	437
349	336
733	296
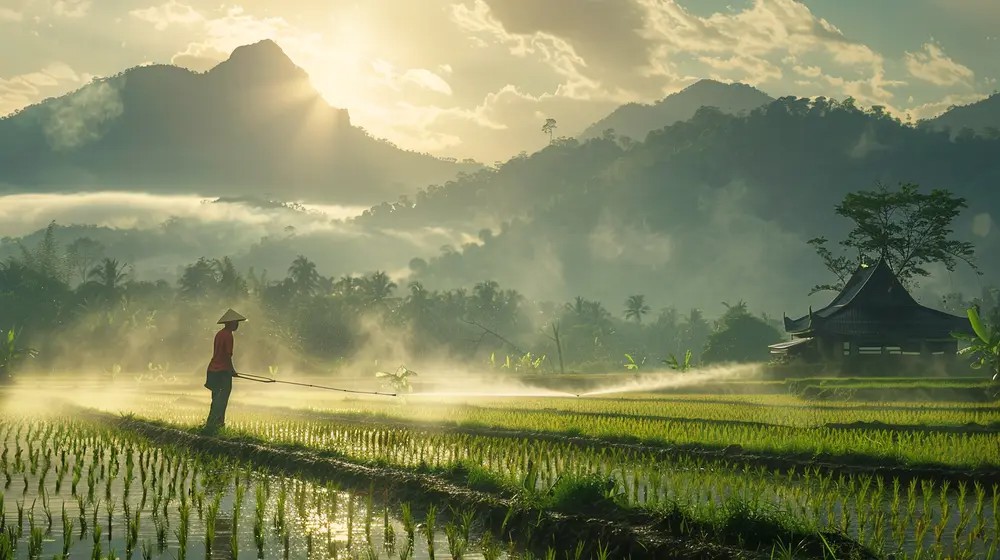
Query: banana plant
984	346
679	365
632	365
11	353
399	380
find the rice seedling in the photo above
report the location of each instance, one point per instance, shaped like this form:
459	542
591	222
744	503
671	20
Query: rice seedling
110	508
406	552
35	538
7	547
388	532
67	532
279	511
489	547
408	524
429	520
95	553
260	504
210	520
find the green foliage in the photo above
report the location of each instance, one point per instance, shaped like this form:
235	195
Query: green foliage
632	365
529	363
549	127
908	228
586	493
12	353
635	308
739	337
681	366
984	345
398	381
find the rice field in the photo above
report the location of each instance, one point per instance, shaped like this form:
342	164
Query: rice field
297	474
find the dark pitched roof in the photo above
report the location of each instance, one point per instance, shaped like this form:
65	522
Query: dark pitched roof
874	303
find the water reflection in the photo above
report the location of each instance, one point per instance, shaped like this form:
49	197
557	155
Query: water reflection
222	547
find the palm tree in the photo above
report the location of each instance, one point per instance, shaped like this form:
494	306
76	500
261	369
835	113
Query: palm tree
485	295
418	305
303	275
635	308
377	288
231	282
347	285
109	274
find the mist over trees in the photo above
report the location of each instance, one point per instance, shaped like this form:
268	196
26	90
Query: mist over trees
113	322
715	208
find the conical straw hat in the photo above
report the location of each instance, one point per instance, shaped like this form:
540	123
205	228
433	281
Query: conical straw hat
230	316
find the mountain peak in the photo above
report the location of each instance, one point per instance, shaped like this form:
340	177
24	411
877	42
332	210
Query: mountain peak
708	84
264	60
636	120
265	48
980	116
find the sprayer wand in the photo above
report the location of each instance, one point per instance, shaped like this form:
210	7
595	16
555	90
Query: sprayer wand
262	379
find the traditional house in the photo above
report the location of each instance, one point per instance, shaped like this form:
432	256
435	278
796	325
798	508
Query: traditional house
872	315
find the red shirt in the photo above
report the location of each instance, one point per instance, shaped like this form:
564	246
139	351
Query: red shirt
223	355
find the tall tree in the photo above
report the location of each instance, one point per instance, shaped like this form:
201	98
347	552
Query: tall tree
47	257
907	228
82	254
635	307
549	128
198	279
110	275
303	276
230	282
377	288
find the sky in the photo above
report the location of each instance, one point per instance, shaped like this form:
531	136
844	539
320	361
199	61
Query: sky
477	78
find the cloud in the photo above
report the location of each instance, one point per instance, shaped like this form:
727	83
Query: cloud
10	15
935	108
982	223
71	8
23	89
609	52
476	78
23	213
553	51
760	39
807	71
932	65
164	15
419	77
427	80
83	116
199	57
612	242
159	233
743	68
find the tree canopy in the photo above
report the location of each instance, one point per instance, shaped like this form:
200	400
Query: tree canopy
907	228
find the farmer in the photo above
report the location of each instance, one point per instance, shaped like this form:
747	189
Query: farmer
221	370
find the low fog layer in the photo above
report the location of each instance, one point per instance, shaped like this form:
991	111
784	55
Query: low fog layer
159	234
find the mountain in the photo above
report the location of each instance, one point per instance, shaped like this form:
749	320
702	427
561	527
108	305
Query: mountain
253	125
980	116
636	120
715	208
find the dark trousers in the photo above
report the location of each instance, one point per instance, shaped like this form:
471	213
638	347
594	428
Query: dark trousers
221	385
